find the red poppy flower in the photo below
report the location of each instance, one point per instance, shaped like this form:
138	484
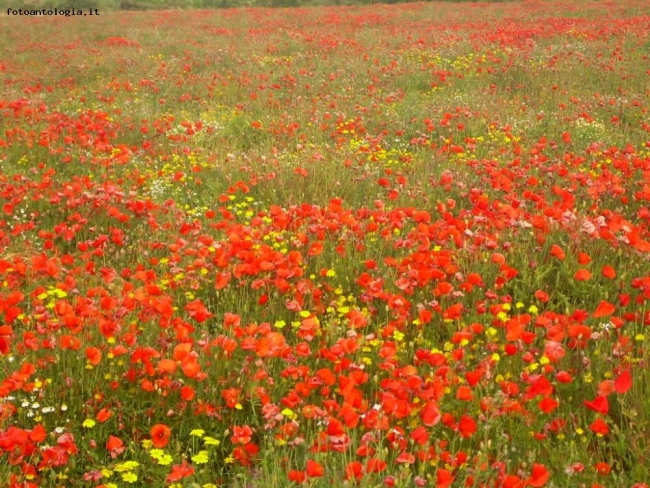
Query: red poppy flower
444	478
557	252
181	351
241	435
420	435
297	476
191	367
231	396
93	355
575	468
160	435
539	475
354	469
405	458
467	426
180	471
512	481
187	393
430	414
606	388
604	308
598	405
608	272
547	404
599	426
464	393
166	366
542	296
623	382
498	258
314	469
103	415
114	446
584	258
375	465
38	433
335	428
603	469
198	311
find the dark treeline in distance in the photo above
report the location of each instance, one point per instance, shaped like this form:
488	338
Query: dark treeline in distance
111	5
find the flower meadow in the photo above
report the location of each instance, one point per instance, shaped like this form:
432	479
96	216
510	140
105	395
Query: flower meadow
371	246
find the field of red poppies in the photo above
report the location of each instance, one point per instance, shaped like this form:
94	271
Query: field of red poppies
372	246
